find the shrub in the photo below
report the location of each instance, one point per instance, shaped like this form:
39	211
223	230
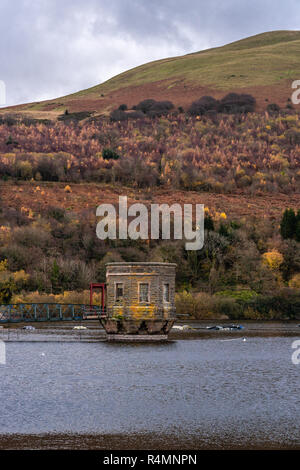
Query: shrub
192	304
56	213
160	108
6	292
109	154
295	282
135	115
273	108
208	222
154	108
292	136
203	105
30	236
118	115
68	297
243	295
8	120
50	169
237	103
11	142
24	170
229	307
70	274
20	279
273	259
3	265
145	105
123	107
202	305
281	305
17	256
78	116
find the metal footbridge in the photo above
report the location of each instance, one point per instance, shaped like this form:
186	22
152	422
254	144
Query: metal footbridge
52	312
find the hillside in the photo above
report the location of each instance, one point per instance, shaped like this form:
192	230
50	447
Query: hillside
244	167
263	65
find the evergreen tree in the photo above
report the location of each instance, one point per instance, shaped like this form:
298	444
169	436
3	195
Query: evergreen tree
288	224
297	231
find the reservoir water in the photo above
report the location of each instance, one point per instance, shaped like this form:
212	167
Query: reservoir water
62	390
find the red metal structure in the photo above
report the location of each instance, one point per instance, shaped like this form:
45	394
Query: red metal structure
93	287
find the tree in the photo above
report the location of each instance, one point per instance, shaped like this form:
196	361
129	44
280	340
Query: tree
273	259
55	278
109	154
288	224
208	222
291	259
6	292
295	282
297	230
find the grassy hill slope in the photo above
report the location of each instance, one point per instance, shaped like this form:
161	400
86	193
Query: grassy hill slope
263	65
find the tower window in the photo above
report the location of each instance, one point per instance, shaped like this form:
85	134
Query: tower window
119	291
144	292
166	292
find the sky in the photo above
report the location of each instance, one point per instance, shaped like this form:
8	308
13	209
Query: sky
51	48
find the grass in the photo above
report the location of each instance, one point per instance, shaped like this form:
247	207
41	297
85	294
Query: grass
258	60
265	60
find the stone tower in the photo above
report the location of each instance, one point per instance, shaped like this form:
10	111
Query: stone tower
140	301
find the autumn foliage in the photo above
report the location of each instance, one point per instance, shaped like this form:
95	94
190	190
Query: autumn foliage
225	154
249	266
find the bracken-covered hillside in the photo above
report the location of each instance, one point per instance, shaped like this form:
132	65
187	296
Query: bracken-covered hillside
250	154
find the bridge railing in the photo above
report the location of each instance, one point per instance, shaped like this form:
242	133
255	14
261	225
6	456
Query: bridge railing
24	312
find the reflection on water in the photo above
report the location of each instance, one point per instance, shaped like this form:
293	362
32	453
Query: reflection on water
212	390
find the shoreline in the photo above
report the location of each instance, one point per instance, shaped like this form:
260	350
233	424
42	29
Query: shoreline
137	441
194	329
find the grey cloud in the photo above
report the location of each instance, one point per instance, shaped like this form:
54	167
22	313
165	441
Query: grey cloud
51	47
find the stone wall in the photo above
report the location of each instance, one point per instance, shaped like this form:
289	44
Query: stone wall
131	275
